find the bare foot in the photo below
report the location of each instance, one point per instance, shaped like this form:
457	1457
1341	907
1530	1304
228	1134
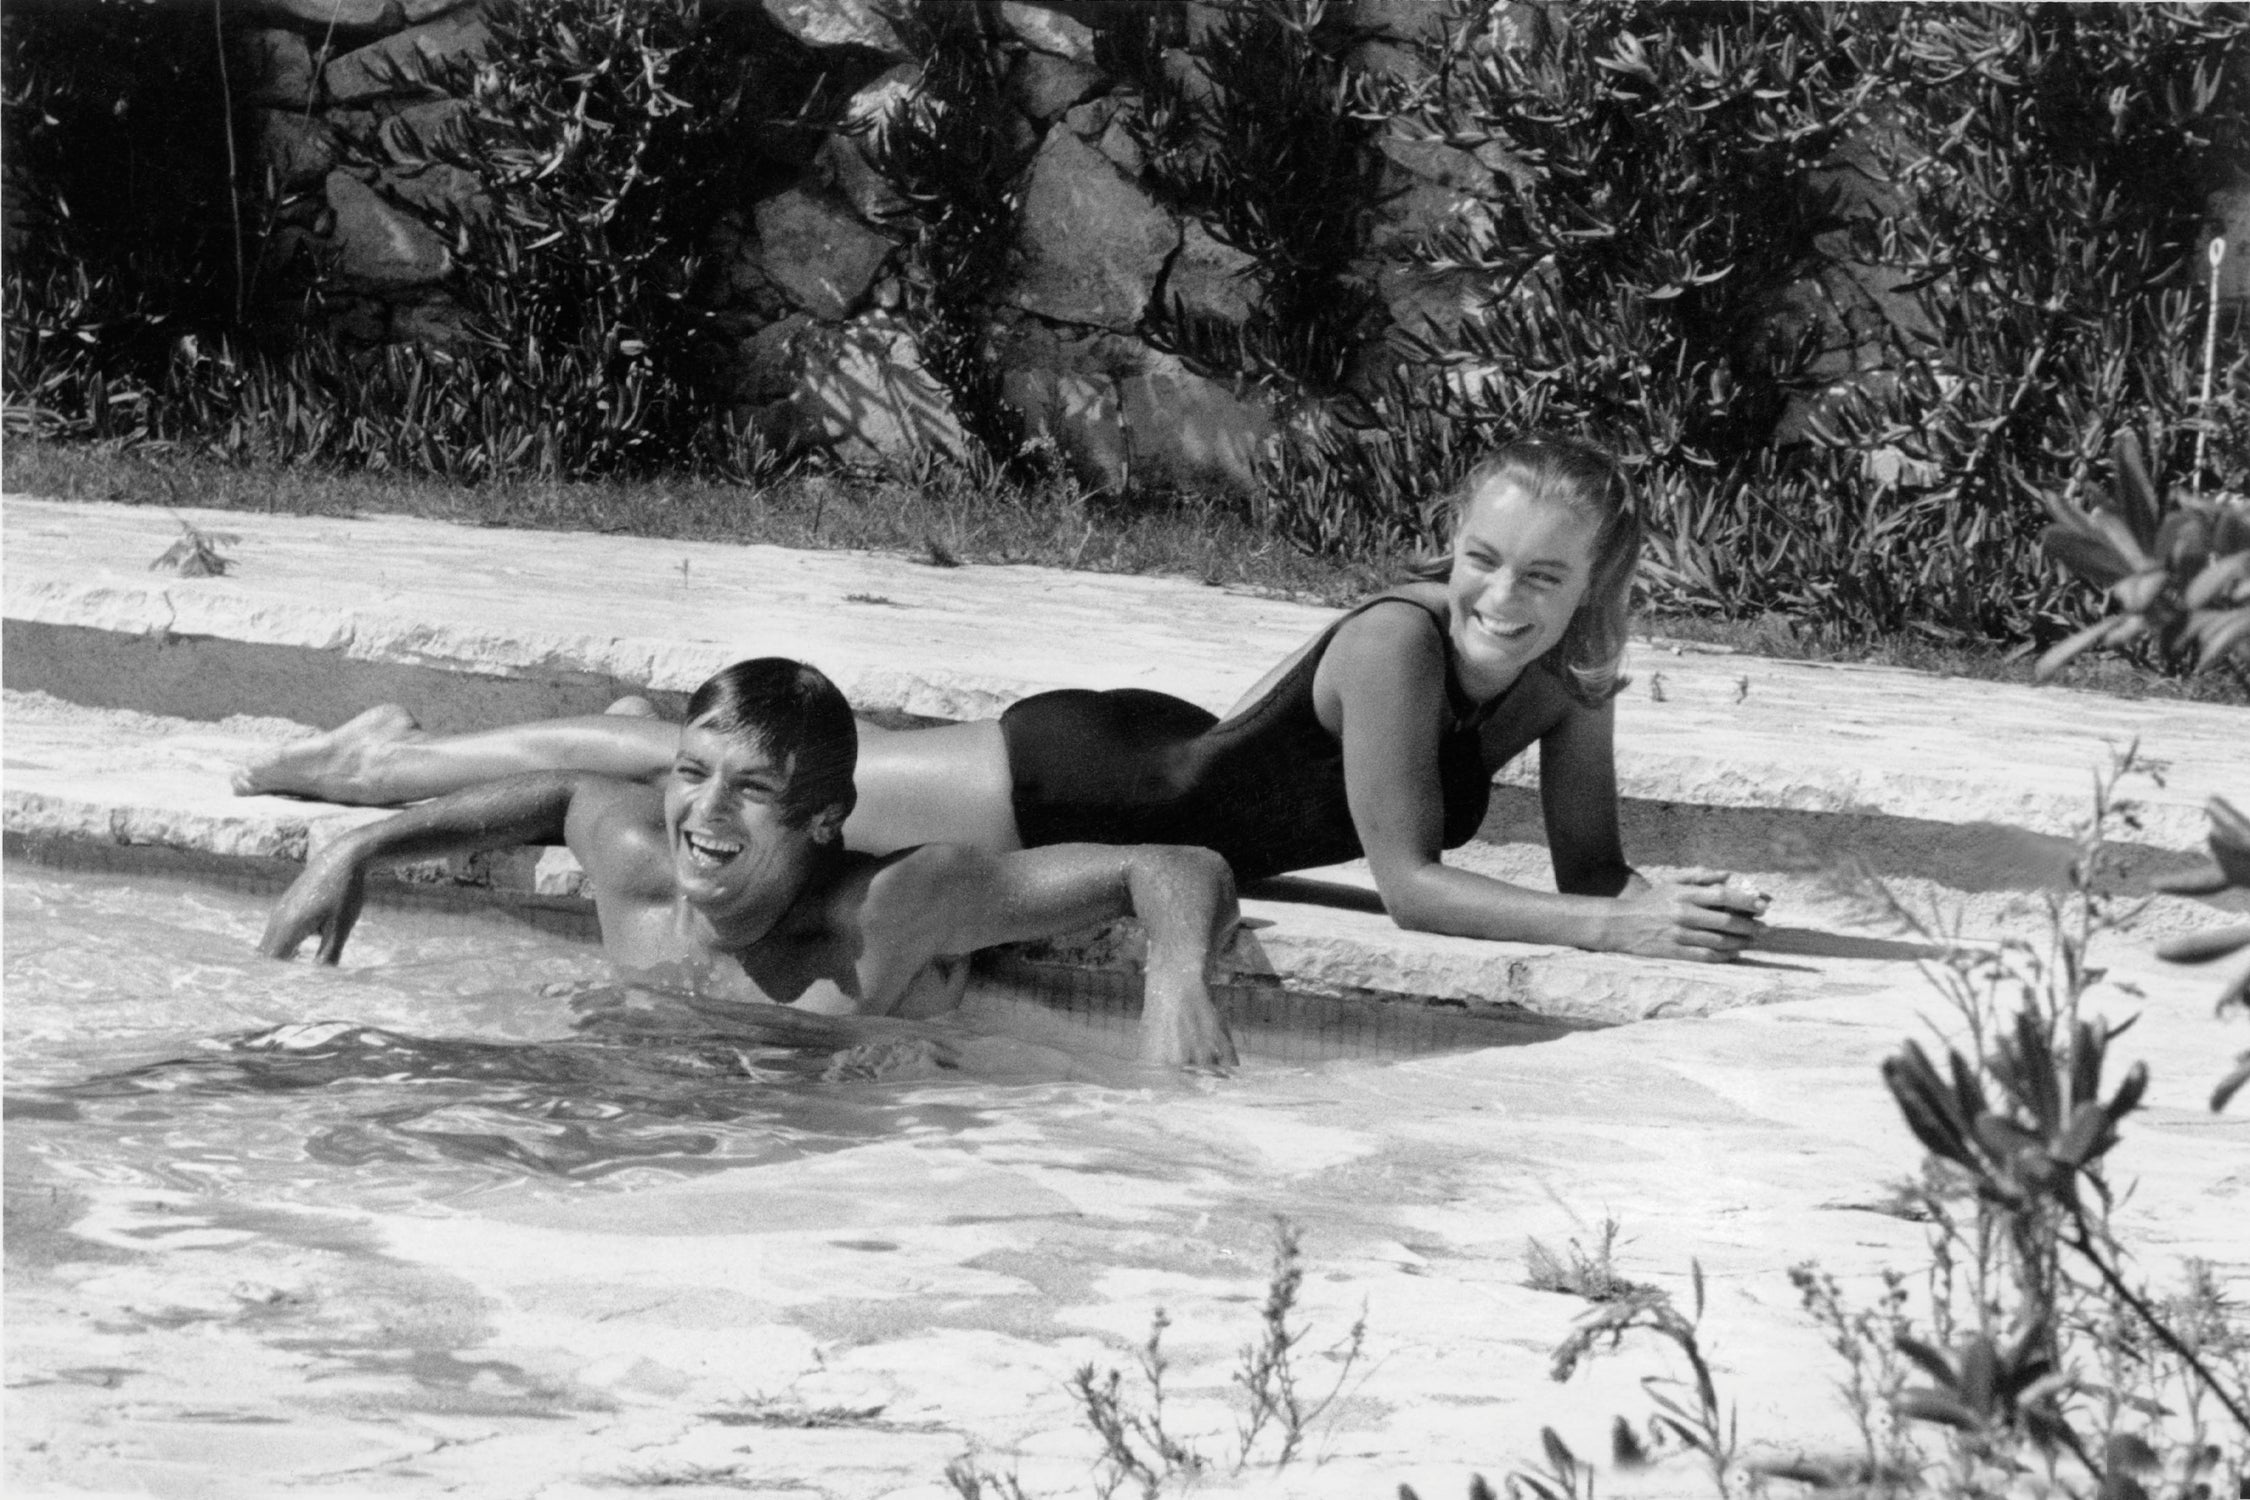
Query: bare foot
337	766
633	706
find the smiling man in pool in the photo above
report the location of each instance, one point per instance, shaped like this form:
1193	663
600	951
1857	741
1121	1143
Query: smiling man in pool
731	876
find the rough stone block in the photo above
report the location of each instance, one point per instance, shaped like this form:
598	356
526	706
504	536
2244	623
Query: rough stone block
344	15
377	244
1400	20
1092	244
874	101
398	64
1432	184
1045	29
864	395
1118	143
1044	86
1079	414
435	322
819	252
295	149
837	23
1186	432
1429	304
1210	280
280	66
1186	72
438	190
767	362
841	166
413	133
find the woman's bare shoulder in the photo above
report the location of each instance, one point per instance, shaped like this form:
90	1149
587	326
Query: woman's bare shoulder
1396	615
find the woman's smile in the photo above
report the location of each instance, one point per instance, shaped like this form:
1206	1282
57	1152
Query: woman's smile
1521	566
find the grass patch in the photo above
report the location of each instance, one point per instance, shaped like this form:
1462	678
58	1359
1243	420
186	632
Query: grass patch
956	516
1781	639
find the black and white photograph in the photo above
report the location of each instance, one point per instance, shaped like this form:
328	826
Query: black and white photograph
1131	749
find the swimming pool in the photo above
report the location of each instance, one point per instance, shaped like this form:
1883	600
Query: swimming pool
463	1052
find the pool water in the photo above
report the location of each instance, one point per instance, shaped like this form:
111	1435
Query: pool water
463	1053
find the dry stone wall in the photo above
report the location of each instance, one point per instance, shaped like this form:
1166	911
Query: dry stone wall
814	273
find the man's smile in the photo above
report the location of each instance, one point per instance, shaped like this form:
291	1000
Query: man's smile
708	852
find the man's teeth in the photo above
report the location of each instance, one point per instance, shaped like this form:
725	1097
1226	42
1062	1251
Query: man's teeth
710	851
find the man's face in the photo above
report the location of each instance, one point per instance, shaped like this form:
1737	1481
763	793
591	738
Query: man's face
735	855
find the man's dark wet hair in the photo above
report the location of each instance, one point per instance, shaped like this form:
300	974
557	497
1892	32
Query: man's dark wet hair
793	713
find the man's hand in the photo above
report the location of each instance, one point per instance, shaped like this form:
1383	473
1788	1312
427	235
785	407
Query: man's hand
1180	1027
533	808
324	901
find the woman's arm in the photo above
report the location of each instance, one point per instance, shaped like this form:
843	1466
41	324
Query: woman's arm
1578	798
1387	671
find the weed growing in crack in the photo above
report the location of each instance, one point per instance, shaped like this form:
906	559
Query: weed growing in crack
1592	1275
1142	1455
195	553
1268	1372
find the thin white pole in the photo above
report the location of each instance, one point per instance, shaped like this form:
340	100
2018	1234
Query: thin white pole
2216	254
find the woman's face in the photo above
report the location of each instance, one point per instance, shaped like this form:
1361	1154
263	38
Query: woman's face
1520	569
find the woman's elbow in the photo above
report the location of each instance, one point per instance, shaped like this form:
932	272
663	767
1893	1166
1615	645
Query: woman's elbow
1411	899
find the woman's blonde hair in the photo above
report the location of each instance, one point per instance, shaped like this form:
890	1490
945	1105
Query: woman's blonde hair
1589	660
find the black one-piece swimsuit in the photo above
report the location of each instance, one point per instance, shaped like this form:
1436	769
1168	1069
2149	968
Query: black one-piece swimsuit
1265	789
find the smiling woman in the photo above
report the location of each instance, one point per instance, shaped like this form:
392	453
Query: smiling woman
1378	738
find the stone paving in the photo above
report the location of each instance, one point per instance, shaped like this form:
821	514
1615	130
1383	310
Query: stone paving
1715	729
847	1324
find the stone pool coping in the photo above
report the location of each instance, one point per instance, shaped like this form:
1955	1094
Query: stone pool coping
1699	726
141	783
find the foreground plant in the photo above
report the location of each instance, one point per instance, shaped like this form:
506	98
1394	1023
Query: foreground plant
2042	1364
1140	1453
2176	567
2229	870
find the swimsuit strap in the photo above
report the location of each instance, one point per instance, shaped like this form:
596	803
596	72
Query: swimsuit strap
1466	712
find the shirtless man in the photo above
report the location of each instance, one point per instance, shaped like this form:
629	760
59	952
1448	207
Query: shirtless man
731	875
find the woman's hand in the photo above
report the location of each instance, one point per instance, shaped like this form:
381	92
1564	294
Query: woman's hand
1703	915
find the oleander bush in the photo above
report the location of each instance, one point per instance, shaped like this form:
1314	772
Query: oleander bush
578	340
2019	188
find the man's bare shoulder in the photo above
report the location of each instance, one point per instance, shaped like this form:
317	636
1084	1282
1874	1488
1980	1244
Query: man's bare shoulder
616	829
918	890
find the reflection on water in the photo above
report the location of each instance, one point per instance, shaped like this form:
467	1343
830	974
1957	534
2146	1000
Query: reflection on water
479	1065
463	1053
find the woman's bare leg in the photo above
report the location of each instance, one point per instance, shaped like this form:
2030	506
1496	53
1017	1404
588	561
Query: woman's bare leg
384	758
948	783
945	784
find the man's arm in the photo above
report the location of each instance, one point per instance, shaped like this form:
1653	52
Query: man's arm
326	899
1183	897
